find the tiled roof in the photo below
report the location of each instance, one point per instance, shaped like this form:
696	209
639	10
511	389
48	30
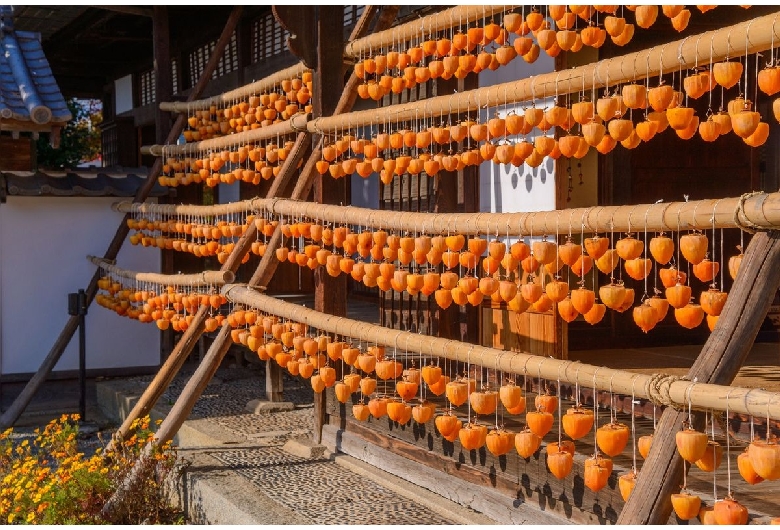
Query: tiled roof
94	182
28	90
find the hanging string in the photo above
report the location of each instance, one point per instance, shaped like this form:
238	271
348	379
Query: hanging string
633	424
714	475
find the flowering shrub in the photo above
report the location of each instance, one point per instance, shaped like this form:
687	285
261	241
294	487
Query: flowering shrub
49	481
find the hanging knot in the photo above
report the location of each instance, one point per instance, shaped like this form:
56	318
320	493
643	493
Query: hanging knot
658	386
739	214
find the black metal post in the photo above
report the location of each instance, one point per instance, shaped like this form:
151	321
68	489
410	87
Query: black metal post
82	355
77	306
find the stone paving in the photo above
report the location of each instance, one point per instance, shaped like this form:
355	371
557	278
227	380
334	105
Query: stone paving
317	489
322	491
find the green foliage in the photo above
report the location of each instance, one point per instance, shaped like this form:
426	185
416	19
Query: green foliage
49	481
79	140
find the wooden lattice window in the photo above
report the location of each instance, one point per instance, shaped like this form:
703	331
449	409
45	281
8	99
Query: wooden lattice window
268	38
147	88
110	146
174	77
199	57
352	15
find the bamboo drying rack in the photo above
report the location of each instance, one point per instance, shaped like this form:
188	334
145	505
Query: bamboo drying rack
758	33
203	279
751	211
672	391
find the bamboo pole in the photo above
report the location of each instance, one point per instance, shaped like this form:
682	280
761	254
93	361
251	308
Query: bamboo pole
701	396
228	98
296	123
752	210
17	407
673	56
202	279
426	26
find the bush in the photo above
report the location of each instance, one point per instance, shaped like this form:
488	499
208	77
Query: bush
49	481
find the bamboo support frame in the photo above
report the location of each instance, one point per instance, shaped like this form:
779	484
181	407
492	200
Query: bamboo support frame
227	98
752	211
429	25
755	402
219	347
295	124
203	279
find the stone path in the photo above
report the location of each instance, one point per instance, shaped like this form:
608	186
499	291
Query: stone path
323	492
287	488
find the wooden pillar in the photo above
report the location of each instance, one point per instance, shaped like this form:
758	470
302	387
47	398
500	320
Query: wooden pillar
720	359
162	122
330	294
274	385
162	70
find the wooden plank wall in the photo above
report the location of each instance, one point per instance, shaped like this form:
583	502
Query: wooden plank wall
16	155
542	334
526	481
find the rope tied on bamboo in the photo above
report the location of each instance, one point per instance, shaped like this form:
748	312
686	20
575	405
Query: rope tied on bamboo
747	225
657	389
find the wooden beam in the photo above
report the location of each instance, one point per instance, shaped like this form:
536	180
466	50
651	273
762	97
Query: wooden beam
298	20
23	399
162	68
721	357
131	10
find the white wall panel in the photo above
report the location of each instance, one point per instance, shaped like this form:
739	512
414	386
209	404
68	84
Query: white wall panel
43	245
505	188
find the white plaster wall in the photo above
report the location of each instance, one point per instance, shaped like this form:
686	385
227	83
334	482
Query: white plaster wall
505	188
43	246
123	94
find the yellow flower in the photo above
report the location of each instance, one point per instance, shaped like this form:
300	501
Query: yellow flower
30	517
11	518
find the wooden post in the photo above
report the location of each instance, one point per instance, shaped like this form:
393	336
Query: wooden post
24	398
162	122
181	409
720	359
162	69
274	386
330	294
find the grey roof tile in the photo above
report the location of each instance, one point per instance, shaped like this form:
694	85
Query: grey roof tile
28	90
93	182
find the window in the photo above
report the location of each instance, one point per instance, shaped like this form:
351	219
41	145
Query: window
147	89
268	38
199	57
352	15
174	77
110	146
